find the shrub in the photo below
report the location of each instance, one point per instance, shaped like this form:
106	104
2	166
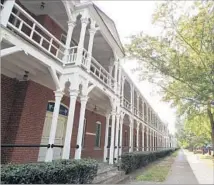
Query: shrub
135	160
58	172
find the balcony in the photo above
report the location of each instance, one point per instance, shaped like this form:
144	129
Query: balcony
127	105
24	25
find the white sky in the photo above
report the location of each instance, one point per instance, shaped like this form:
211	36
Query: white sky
132	17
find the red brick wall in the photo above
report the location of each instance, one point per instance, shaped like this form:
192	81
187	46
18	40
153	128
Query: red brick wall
24	122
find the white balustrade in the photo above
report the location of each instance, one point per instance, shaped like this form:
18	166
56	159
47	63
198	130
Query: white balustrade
126	104
26	26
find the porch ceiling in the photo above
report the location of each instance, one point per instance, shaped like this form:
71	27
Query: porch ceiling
98	102
55	9
15	65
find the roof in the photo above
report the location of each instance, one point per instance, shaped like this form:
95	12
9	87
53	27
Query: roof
110	25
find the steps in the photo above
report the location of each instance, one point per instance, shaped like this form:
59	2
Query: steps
108	174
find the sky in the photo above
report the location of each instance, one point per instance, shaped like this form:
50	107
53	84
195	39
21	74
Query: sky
131	17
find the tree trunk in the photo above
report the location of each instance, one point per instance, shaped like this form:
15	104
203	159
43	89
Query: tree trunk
211	117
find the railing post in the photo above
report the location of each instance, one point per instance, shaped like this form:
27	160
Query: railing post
6	11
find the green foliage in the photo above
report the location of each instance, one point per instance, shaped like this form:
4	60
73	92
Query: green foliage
135	160
57	172
181	60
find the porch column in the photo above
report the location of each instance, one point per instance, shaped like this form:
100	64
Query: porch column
138	105
69	128
92	32
131	136
121	136
78	151
84	23
111	156
147	139
115	76
51	140
137	136
6	11
106	138
117	137
120	79
71	25
153	140
143	149
132	98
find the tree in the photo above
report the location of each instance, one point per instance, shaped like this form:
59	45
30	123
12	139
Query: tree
181	60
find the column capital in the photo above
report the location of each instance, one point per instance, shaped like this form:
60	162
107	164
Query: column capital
58	93
73	93
71	24
83	98
113	113
84	21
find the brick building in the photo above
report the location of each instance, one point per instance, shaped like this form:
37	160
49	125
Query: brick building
64	93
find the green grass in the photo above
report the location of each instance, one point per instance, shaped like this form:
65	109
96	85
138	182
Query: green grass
174	154
158	172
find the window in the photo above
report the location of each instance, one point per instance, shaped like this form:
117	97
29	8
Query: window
83	134
98	134
109	136
126	138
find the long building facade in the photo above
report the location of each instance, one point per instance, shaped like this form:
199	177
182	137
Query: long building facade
64	92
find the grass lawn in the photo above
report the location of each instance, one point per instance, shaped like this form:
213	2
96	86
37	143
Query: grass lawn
158	172
207	159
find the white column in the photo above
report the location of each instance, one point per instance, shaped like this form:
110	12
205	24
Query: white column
121	136
143	149
138	105
92	32
132	98
78	151
71	25
120	79
58	97
84	23
153	140
122	87
131	136
117	137
106	138
151	136
111	157
69	128
115	76
6	11
147	139
138	136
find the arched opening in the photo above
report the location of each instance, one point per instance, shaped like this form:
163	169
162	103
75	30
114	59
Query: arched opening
60	131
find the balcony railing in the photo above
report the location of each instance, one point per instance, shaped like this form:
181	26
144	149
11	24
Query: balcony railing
24	25
126	104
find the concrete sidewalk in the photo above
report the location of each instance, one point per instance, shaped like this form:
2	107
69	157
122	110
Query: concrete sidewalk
203	173
181	172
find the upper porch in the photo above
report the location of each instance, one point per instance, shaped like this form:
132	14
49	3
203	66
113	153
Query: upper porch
69	32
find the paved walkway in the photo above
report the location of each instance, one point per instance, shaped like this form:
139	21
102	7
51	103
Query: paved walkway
181	172
203	173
